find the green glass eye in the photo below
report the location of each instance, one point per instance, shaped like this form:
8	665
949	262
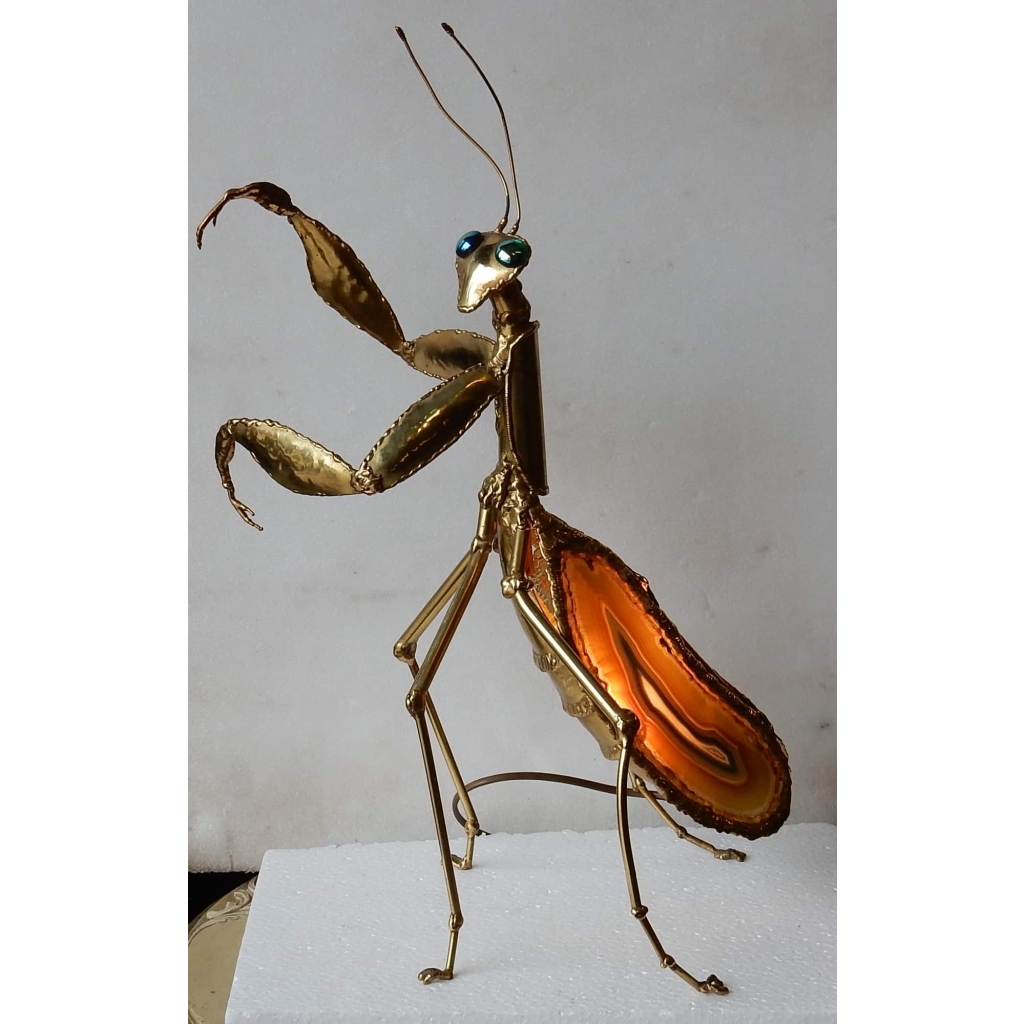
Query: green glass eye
513	252
468	242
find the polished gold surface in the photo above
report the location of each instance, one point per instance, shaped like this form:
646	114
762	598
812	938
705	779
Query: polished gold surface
480	274
445	353
214	939
430	426
678	732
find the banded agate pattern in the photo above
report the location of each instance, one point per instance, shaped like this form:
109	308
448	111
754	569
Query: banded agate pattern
713	754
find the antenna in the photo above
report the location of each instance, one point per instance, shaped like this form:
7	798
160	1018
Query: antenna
504	123
490	159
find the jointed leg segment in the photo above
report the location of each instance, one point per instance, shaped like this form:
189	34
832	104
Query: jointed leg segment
459	588
292	459
625	724
430	426
640	787
711	984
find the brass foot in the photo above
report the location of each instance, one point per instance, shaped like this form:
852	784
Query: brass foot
712	986
462	863
429	974
730	855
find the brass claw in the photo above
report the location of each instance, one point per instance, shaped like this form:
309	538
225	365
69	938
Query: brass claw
210	220
246	513
270	196
429	974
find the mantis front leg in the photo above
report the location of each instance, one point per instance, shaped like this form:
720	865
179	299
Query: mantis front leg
339	277
417	702
427	428
405	651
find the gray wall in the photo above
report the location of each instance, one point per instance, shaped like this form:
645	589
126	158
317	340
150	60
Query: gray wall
677	174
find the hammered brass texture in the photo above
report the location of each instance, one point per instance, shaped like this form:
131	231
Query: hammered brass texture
445	353
431	425
340	279
336	272
292	459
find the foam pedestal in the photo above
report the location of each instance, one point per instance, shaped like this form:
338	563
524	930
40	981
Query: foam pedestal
339	934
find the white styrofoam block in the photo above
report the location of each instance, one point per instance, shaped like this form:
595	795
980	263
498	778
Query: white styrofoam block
339	934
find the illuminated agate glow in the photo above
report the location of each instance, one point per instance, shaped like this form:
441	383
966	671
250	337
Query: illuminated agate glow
713	754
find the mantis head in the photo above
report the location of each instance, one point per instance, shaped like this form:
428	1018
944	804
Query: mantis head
486	262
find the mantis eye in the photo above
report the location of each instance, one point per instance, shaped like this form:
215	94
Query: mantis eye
513	252
468	242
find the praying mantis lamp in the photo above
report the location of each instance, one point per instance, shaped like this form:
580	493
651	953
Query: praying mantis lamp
678	732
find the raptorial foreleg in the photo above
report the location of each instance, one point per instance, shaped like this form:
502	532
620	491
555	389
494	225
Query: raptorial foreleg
292	459
339	277
431	425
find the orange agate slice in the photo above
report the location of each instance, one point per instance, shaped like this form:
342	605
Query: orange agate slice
712	753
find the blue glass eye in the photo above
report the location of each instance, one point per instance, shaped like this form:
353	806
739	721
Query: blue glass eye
513	252
468	242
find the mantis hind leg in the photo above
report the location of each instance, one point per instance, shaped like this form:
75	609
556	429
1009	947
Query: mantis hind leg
625	724
711	984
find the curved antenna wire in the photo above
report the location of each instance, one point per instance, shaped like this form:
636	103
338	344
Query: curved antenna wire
504	123
490	159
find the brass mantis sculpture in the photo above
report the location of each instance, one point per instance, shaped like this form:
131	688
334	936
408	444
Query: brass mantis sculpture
680	734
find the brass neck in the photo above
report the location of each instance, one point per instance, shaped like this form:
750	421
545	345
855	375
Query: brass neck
511	314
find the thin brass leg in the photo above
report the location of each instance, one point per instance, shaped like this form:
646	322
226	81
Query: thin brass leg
472	825
417	702
429	974
405	646
711	983
625	724
405	650
638	785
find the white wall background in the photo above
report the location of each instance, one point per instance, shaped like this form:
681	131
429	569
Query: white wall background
677	173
